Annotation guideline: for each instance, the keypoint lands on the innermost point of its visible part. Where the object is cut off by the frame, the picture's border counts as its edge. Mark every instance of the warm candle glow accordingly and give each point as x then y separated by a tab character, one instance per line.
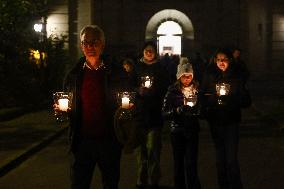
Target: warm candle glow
63	104
147	81
190	101
125	102
222	91
191	104
147	84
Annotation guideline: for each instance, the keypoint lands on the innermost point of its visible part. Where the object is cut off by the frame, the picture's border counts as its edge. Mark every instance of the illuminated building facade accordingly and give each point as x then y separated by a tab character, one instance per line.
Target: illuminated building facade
256	26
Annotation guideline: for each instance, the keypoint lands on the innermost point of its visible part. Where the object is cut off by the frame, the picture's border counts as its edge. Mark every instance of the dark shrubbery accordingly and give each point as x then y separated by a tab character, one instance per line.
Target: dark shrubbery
24	81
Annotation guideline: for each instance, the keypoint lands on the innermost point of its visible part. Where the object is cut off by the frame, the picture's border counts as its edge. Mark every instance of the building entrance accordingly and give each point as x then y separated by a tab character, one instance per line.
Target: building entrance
172	29
169	38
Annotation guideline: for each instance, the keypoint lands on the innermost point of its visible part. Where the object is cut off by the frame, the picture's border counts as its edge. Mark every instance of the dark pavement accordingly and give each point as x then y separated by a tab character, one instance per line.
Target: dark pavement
23	136
261	160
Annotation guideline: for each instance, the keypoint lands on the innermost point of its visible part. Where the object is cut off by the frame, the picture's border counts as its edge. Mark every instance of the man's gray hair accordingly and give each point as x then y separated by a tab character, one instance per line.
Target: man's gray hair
94	28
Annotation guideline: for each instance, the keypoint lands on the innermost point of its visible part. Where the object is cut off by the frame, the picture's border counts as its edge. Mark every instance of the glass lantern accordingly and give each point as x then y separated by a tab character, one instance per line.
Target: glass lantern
63	102
147	81
125	99
126	102
222	89
191	100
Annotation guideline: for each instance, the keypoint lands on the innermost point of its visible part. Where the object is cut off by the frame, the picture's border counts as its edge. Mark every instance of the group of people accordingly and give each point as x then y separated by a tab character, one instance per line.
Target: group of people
92	135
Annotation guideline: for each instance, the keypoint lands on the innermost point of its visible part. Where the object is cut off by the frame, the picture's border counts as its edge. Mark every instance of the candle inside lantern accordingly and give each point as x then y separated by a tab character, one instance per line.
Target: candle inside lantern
125	102
147	83
191	104
63	104
222	91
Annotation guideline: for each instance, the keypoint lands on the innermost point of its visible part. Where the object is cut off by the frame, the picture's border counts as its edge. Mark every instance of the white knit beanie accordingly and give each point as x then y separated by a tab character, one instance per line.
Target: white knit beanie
184	68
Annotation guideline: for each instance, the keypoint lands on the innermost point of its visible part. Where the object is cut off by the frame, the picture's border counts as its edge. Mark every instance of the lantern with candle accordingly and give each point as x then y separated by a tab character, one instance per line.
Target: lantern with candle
222	90
62	101
147	81
191	100
126	99
126	102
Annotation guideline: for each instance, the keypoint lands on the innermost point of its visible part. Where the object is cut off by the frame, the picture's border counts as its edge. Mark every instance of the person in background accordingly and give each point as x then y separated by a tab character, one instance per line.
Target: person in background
128	65
126	76
184	126
240	63
93	142
221	107
199	65
148	106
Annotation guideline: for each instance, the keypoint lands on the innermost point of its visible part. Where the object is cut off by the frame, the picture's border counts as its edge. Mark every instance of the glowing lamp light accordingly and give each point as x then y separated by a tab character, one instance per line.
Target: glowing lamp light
38	27
36	54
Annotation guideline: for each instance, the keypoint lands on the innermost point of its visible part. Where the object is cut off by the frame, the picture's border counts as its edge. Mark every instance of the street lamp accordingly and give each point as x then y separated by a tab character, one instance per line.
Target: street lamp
38	27
40	54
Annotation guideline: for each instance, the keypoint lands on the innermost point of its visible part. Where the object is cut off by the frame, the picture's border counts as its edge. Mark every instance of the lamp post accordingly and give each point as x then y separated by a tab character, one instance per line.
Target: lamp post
40	28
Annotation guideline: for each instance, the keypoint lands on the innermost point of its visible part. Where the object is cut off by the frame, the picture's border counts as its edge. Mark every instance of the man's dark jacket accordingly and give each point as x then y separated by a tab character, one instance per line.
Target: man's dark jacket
73	83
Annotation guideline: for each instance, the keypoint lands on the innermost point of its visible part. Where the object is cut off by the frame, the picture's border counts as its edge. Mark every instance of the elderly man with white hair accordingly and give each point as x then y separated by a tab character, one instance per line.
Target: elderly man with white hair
93	142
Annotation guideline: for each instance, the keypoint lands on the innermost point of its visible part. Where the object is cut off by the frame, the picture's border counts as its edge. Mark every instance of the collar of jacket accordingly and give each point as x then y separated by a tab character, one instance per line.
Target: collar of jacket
101	66
142	60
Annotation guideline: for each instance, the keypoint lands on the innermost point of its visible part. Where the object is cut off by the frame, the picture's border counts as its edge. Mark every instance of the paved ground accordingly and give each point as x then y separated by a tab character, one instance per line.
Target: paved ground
261	160
25	135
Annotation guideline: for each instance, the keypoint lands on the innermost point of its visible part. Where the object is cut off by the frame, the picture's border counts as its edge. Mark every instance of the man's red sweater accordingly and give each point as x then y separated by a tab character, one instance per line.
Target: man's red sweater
93	104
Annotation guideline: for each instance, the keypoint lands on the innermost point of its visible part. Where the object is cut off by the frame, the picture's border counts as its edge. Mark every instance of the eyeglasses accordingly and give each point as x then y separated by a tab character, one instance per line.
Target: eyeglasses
94	43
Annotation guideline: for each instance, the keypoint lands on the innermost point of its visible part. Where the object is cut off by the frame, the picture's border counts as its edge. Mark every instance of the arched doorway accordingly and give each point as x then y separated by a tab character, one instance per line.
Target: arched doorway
179	21
169	38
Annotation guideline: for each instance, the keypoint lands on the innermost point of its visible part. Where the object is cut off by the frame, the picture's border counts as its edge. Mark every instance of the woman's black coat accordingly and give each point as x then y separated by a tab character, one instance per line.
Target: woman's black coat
230	110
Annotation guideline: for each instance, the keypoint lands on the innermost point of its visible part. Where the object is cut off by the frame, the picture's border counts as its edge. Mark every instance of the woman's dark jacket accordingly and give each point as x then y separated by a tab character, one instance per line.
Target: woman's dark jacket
73	83
149	104
185	121
230	110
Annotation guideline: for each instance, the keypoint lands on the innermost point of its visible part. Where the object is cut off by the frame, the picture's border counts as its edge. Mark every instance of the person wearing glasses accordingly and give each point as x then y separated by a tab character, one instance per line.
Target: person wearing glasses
93	142
221	91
